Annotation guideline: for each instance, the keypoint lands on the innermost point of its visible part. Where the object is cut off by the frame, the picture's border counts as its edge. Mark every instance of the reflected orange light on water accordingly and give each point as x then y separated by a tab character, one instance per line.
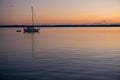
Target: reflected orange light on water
85	38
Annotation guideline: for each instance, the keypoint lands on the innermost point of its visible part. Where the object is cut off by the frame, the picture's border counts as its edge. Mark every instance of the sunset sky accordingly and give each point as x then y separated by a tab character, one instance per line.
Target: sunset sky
60	11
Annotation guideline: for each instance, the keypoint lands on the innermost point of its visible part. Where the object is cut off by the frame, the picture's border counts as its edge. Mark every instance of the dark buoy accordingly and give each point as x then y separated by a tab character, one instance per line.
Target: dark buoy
18	30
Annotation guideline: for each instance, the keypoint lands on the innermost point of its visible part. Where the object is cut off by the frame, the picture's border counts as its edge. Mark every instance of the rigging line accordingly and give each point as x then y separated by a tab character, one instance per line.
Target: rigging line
32	16
36	20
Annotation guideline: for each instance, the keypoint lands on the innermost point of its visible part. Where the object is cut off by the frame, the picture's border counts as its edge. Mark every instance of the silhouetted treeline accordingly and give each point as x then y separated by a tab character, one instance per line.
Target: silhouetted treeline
110	25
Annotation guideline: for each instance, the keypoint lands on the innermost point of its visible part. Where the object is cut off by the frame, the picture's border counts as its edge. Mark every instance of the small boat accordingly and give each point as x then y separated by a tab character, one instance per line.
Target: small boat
31	29
18	30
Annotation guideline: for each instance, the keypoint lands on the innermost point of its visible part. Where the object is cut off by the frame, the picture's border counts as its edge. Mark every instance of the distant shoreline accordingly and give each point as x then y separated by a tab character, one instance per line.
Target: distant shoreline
112	25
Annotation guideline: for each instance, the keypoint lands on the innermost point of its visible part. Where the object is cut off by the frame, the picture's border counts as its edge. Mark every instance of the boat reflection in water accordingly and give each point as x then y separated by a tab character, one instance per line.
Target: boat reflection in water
32	44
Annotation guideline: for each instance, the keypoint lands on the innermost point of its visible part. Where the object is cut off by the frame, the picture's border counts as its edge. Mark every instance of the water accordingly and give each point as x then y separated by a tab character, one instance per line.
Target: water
60	54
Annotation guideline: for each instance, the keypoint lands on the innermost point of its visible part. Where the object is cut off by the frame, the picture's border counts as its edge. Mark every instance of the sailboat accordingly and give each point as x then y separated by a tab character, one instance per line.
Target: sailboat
31	29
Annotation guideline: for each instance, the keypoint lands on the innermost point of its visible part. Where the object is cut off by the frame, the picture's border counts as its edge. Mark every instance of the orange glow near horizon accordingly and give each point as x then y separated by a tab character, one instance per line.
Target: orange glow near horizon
64	19
60	12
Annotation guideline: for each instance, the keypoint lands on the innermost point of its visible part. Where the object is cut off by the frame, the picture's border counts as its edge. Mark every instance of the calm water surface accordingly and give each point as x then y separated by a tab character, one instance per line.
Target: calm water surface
60	54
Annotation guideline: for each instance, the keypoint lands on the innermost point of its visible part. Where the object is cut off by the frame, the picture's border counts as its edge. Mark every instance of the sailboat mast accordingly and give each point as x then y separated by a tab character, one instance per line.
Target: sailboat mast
32	16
